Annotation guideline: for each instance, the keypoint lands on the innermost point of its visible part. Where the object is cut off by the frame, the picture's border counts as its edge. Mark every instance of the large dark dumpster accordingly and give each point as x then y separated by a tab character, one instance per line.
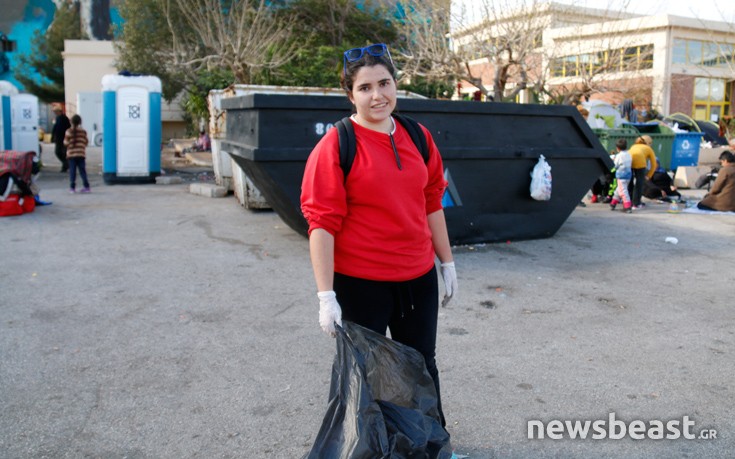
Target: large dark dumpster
489	150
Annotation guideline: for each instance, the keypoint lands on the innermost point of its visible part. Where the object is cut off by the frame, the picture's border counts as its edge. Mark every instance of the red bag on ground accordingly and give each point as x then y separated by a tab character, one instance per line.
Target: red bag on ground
17	205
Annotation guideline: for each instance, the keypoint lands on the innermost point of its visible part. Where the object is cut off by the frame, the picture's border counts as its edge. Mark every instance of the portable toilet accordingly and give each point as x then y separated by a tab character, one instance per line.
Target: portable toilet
89	107
131	119
24	122
7	90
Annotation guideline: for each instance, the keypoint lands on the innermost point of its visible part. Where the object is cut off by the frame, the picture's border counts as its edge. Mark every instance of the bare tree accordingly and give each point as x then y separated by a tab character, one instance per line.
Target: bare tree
597	58
507	37
493	44
503	47
244	36
426	52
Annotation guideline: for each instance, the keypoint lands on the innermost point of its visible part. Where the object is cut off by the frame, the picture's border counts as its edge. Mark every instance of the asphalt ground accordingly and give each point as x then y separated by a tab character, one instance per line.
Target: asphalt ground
142	321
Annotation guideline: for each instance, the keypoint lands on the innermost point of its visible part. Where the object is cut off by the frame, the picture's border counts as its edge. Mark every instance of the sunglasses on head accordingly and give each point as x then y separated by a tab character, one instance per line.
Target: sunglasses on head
355	54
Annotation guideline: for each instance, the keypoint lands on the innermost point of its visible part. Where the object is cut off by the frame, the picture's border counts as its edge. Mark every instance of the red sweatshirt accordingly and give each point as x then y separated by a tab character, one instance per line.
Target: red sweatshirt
378	218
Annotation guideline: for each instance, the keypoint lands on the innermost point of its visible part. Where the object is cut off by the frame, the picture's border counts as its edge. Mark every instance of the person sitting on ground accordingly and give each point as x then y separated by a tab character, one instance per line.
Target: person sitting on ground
707	179
203	143
661	186
722	195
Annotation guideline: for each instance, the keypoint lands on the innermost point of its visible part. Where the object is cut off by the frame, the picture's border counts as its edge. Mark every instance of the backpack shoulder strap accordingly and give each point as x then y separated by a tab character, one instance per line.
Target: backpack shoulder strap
347	144
416	133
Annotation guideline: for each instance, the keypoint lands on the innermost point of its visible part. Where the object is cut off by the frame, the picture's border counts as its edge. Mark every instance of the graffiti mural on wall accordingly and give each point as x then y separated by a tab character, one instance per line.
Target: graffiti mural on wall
22	18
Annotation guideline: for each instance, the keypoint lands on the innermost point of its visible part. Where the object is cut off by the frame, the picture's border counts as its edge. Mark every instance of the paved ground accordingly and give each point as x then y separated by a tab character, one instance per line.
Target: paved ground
142	321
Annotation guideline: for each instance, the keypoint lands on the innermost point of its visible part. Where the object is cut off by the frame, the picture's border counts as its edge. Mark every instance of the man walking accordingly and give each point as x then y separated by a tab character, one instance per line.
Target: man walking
61	124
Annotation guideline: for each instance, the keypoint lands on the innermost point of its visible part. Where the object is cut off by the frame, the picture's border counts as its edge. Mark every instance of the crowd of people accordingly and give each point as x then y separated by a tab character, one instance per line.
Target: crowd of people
638	173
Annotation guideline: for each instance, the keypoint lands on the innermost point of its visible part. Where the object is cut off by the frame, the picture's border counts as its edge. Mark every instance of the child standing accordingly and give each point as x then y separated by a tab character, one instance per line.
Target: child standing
623	175
76	141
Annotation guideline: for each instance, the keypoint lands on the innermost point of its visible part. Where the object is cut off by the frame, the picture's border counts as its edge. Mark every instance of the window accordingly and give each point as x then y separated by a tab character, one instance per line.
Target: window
711	99
694	52
571	66
717	90
726	54
679	52
611	60
630	57
708	54
701	89
646	56
584	64
557	68
598	62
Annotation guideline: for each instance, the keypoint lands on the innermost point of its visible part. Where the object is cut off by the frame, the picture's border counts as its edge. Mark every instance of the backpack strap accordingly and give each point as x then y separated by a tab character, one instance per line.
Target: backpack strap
348	143
416	133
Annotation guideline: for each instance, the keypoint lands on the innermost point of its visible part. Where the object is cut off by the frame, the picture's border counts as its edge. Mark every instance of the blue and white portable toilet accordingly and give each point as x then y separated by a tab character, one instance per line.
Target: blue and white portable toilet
24	122
7	90
131	118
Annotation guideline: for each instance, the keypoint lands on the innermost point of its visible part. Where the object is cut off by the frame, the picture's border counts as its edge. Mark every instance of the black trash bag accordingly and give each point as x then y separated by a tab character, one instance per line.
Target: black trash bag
382	402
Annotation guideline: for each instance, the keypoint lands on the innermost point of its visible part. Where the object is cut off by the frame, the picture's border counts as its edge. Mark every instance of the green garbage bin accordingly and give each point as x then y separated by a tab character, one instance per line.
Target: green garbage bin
663	140
609	137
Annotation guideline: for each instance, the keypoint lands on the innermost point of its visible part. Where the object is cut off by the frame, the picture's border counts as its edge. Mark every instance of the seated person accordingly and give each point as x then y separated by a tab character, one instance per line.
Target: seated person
722	195
203	143
661	186
707	179
603	188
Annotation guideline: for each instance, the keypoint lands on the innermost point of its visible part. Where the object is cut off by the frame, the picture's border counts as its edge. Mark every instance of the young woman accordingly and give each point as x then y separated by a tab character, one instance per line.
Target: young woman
374	236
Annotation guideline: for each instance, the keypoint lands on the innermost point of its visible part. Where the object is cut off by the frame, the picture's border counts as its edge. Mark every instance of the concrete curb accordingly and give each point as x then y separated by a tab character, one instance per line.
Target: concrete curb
208	190
168	180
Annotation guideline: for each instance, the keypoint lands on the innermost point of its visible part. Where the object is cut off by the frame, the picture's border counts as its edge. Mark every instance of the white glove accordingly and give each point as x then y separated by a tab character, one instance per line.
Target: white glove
449	274
329	312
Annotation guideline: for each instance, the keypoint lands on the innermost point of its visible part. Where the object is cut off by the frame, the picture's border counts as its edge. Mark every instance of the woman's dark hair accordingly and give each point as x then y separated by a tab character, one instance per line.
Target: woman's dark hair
367	60
76	120
727	156
621	144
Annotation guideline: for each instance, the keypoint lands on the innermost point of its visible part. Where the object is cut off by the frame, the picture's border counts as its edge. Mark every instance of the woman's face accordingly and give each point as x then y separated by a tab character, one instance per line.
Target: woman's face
374	95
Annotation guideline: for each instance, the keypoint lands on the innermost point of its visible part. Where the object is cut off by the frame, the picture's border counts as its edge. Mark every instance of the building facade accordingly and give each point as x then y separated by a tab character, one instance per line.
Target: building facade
665	63
87	61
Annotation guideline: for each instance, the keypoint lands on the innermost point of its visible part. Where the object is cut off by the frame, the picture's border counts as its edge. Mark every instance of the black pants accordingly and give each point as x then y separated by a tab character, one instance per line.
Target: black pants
635	188
60	151
410	309
75	163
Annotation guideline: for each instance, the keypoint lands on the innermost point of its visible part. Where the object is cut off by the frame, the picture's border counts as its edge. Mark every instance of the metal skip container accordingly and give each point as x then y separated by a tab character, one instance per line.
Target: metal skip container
226	173
488	150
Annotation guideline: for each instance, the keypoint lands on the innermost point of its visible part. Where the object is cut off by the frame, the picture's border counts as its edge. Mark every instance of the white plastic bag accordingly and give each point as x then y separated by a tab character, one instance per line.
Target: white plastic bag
541	180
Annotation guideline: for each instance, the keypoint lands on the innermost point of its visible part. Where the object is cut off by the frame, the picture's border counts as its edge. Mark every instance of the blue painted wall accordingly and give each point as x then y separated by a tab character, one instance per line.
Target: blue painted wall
23	18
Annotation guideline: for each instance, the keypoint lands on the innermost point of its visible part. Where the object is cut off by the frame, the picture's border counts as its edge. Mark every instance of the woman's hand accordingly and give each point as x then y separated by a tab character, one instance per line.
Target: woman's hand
329	312
449	274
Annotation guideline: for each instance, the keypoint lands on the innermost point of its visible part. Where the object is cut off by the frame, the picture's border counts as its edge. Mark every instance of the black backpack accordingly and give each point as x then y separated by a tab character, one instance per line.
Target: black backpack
348	144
